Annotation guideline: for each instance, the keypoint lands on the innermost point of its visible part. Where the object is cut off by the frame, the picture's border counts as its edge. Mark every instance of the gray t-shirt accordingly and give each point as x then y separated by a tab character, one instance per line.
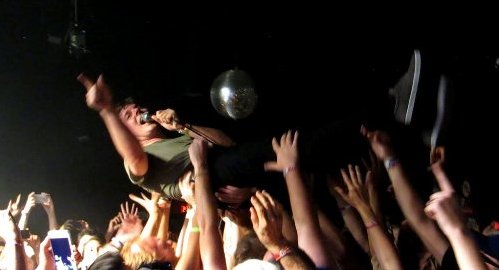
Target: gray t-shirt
168	159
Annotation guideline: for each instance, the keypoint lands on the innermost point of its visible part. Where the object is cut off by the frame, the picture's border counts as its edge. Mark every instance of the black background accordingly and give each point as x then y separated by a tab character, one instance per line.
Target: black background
311	64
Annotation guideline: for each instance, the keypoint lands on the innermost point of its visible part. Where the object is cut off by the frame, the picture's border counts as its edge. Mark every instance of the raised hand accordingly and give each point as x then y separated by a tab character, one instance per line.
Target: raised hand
151	205
357	194
14	206
34	242
112	227
266	216
380	142
98	95
46	257
30	203
198	151
48	204
127	210
131	226
286	150
443	205
168	119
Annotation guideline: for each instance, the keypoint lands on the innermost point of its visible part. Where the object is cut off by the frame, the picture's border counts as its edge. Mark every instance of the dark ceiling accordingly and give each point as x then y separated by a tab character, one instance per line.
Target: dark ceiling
310	64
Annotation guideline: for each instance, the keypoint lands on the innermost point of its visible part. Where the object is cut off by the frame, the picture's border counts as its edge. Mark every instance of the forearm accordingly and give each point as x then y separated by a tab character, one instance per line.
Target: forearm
190	259
182	238
210	240
23	220
14	253
382	247
355	226
288	228
294	258
52	218
413	209
152	224
332	235
310	237
376	208
125	142
465	249
215	135
164	224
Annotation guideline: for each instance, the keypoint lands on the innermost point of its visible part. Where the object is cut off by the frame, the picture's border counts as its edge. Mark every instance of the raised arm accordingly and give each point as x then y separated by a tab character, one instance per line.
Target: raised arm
100	99
266	216
190	258
164	223
310	237
444	208
350	217
357	196
151	205
28	206
13	251
49	207
210	239
409	202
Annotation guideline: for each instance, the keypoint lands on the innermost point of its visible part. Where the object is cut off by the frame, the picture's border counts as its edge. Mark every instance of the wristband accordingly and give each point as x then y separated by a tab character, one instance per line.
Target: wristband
195	229
288	170
282	253
371	224
390	162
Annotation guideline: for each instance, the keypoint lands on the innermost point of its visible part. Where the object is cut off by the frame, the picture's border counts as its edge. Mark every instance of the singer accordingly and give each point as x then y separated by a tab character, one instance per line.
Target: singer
160	163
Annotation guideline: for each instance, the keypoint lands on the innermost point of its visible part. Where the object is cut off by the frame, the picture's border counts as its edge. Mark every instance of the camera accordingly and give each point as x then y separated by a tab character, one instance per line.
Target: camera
41	198
25	234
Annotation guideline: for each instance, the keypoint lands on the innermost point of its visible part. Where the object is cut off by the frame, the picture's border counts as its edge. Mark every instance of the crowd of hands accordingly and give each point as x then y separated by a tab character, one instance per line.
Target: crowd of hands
305	236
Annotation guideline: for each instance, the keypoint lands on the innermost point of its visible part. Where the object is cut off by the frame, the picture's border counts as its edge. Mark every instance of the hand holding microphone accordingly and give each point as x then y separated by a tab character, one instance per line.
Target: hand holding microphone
169	120
166	118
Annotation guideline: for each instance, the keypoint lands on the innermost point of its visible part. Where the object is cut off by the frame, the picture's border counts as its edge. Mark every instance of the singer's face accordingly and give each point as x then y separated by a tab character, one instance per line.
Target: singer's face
130	116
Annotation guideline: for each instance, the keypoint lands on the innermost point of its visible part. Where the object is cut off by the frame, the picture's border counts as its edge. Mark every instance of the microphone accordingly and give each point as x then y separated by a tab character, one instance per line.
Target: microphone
145	117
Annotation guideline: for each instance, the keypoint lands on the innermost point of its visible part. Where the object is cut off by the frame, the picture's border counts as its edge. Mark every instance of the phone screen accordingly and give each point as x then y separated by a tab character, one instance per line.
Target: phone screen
40	198
61	247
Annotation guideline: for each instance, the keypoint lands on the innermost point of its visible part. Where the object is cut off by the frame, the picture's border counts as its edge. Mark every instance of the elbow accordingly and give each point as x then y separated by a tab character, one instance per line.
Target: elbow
138	165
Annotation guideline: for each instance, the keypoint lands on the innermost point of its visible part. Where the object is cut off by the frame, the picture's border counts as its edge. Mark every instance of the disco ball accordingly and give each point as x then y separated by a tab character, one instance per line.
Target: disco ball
233	94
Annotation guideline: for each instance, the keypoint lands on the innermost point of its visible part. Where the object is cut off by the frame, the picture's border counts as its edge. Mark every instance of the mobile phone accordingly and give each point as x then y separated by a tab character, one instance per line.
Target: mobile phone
61	248
40	198
25	234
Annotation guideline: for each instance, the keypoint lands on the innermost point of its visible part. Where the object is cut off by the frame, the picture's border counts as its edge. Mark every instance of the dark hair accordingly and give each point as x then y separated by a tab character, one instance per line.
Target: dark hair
120	104
74	227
